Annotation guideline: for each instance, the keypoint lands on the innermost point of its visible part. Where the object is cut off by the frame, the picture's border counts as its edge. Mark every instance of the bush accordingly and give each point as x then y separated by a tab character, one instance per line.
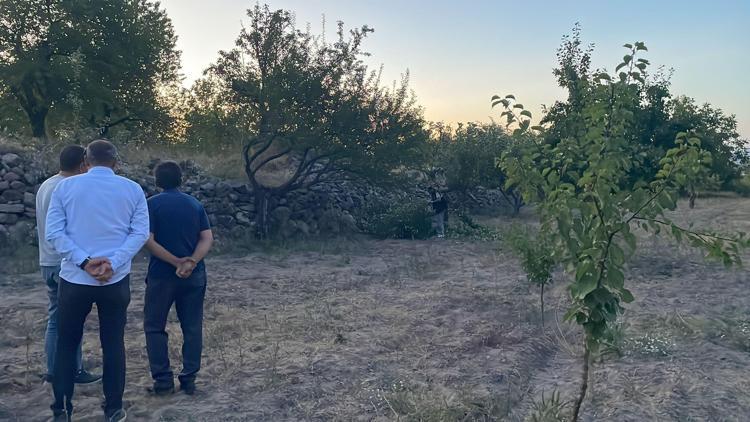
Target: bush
742	185
408	219
462	226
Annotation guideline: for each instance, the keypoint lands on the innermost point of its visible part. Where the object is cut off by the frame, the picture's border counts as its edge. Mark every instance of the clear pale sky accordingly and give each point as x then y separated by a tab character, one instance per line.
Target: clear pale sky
460	53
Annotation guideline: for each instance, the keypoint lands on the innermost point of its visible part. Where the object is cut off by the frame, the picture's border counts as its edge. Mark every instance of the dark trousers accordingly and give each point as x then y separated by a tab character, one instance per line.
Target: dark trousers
187	295
74	305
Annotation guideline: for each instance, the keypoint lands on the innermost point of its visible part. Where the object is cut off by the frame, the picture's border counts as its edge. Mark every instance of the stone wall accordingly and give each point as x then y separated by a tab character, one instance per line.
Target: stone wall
323	209
331	209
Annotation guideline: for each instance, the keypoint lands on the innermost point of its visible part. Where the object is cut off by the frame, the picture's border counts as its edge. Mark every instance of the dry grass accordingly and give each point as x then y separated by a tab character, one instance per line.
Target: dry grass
420	331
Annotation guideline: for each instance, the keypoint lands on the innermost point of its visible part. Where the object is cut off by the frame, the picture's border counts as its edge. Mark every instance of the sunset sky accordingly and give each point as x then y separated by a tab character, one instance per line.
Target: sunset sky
461	53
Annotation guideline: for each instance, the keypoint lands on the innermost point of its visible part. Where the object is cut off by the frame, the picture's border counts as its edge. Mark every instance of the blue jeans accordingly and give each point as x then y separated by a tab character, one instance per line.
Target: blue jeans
52	278
187	295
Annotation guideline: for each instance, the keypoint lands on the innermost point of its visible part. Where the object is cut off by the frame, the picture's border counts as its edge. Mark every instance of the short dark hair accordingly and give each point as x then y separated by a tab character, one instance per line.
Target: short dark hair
168	175
101	153
71	157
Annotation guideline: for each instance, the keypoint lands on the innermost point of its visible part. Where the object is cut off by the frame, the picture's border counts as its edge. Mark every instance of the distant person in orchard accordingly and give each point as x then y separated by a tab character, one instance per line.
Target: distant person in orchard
440	211
97	222
72	163
180	238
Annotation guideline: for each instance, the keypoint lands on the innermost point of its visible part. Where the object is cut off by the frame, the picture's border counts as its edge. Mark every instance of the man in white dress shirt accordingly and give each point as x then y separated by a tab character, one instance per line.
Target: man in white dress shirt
72	163
97	222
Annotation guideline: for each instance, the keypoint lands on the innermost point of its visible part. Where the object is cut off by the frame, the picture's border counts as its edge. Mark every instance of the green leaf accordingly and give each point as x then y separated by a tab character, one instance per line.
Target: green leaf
510	96
618	256
584	267
526	113
630	240
620	66
495	97
626	295
627	58
518	105
629	46
615	278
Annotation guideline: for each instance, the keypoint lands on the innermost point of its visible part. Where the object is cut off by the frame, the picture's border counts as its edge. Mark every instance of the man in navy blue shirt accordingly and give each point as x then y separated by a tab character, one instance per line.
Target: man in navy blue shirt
180	239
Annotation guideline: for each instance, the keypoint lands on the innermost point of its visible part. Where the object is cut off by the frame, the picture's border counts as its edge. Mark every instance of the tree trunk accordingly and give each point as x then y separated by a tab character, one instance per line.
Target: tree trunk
541	301
39	126
33	102
584	384
260	194
693	196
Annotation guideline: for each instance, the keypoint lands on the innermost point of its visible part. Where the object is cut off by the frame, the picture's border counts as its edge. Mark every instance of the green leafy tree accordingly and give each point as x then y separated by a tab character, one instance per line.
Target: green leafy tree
317	114
535	253
658	117
468	158
97	63
590	200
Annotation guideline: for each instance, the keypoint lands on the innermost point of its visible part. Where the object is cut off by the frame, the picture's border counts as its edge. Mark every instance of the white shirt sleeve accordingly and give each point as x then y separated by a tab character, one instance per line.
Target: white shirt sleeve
139	233
56	232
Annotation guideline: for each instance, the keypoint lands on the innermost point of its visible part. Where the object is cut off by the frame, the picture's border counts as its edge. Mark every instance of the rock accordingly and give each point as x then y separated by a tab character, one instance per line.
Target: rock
8	218
223	188
17	185
289	229
29	199
247	208
242	218
281	215
12	208
303	227
4	185
348	223
12	195
22	232
11	159
208	189
225	221
11	177
4	235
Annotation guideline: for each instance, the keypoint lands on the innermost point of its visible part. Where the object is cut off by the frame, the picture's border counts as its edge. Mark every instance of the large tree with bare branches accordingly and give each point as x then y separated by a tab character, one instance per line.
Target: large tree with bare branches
315	112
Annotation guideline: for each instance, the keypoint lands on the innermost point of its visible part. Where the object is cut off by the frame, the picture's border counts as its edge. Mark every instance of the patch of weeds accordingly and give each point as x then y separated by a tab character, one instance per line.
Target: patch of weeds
408	219
401	402
283	248
614	341
550	409
731	332
651	344
462	226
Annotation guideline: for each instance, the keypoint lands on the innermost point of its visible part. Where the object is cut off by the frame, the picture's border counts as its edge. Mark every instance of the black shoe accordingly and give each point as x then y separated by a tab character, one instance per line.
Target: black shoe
117	416
85	377
161	389
188	387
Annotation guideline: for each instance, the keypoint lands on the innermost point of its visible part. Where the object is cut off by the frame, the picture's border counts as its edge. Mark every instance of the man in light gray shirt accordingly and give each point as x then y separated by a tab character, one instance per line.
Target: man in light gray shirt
71	164
97	222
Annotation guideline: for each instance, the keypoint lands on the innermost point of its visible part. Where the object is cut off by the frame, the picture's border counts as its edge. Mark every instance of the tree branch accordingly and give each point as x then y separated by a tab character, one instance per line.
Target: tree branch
703	236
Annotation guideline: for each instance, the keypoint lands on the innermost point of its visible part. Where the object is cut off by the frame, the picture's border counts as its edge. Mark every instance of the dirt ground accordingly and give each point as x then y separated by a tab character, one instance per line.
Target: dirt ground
438	330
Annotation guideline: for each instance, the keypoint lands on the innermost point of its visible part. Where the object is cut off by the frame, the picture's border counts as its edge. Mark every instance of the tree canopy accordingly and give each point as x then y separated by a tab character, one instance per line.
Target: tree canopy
311	106
97	64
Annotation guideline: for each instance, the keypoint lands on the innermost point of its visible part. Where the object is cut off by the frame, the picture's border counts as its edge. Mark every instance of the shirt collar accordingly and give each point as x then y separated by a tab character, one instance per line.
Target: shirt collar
171	190
101	170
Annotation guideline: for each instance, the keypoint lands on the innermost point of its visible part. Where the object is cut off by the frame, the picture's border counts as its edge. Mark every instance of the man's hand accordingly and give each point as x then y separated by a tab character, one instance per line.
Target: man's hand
100	268
185	267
